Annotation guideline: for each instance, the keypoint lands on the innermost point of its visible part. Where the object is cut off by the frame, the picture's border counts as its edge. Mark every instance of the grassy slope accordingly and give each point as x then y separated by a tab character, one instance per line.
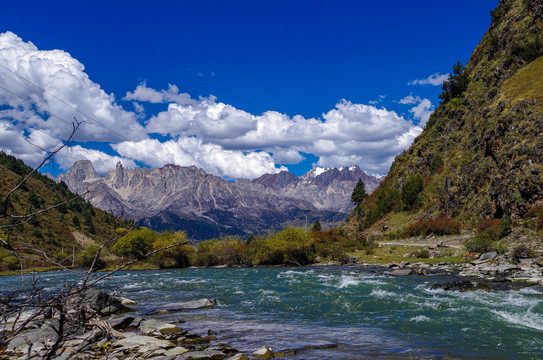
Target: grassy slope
490	139
55	230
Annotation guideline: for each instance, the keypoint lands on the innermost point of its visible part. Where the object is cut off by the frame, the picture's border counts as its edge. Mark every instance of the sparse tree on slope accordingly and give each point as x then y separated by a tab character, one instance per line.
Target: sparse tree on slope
359	192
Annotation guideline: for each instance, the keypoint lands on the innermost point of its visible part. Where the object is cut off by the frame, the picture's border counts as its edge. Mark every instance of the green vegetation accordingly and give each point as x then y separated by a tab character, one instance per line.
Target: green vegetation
176	256
50	231
359	193
479	155
439	226
410	191
136	243
456	85
488	234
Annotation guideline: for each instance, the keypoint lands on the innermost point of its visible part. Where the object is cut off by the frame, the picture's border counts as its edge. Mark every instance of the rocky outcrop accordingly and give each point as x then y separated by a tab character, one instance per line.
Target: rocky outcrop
324	188
206	206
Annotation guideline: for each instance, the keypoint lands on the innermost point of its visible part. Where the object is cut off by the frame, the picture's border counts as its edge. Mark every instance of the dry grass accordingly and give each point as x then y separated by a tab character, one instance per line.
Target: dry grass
526	84
397	253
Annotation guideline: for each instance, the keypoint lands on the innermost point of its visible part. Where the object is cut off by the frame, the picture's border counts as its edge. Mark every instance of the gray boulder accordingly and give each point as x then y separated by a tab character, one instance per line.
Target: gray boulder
98	300
202	355
184	306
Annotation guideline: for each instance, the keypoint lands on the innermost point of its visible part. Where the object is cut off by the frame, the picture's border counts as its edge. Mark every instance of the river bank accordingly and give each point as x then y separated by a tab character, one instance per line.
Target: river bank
325	312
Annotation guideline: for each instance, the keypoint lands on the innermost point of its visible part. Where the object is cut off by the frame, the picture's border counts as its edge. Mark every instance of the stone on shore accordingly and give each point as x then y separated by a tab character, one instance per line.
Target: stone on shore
156	327
138	341
98	300
207	354
263	352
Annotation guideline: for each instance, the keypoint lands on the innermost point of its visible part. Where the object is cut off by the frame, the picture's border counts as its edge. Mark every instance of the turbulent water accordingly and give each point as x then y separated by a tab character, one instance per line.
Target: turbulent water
366	313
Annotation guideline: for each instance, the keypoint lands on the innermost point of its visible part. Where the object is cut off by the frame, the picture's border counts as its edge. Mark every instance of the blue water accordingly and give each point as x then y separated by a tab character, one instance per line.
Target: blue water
365	312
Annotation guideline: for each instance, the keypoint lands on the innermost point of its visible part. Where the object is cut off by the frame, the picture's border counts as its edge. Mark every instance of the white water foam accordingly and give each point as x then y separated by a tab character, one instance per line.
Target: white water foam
347	280
380	293
420	318
526	319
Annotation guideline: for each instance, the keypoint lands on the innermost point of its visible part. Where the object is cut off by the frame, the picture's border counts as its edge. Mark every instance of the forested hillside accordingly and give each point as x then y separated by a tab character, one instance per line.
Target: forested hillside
51	231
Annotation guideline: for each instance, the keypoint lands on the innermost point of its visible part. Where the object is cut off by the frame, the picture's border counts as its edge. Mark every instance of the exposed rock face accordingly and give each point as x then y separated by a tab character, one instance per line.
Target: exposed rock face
206	206
329	188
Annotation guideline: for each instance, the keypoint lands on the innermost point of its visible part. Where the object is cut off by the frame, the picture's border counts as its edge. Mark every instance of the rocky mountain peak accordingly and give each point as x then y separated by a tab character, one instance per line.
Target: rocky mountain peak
277	181
83	170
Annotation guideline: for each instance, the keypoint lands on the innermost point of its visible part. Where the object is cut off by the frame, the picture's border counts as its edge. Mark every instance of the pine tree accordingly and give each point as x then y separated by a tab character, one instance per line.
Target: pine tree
359	192
316	226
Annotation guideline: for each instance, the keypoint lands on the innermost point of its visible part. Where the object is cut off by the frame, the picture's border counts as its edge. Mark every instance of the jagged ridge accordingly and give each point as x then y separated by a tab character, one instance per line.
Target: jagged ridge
205	206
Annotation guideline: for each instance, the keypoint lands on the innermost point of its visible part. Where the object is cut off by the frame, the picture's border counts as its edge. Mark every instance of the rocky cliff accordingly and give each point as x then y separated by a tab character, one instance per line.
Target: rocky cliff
205	206
327	188
481	153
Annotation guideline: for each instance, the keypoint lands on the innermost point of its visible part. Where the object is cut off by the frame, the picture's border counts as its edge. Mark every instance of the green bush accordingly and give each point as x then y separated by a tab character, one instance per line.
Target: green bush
522	252
456	85
136	243
291	246
179	255
86	257
11	262
480	244
421	254
206	254
411	190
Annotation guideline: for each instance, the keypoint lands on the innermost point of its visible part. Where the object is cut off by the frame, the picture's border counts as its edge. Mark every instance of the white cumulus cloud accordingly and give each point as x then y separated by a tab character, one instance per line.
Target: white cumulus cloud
43	77
144	93
101	161
210	157
436	79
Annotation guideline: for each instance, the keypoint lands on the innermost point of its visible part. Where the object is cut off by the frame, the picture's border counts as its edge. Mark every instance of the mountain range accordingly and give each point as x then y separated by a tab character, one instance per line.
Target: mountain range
207	206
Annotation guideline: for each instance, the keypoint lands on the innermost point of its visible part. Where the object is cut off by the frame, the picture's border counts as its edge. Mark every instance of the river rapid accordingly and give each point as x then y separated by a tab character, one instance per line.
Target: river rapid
365	312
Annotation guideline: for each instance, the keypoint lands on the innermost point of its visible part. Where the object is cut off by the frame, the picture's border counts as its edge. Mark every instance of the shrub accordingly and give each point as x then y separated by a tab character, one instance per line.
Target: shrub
480	244
136	243
11	262
233	251
86	257
522	252
180	255
494	229
206	254
411	190
441	225
290	246
421	254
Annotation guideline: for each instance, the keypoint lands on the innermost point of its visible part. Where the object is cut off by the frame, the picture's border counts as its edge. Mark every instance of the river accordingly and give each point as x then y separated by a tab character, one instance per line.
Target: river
365	312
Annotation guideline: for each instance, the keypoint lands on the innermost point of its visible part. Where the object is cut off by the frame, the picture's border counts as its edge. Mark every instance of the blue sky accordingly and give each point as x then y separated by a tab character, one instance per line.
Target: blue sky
238	88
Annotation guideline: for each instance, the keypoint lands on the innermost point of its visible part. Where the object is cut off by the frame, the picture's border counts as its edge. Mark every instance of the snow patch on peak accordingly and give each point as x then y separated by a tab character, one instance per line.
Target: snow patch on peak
319	170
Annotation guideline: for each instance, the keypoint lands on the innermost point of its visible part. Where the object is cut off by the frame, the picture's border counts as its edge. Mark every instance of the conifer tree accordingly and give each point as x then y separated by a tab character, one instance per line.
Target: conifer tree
359	192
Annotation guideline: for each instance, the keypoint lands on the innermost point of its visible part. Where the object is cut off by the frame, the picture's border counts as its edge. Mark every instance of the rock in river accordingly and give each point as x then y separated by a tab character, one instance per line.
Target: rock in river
184	306
461	286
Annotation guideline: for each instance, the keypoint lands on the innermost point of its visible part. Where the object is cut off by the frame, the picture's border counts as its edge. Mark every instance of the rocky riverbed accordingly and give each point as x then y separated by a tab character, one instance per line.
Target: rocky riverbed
96	325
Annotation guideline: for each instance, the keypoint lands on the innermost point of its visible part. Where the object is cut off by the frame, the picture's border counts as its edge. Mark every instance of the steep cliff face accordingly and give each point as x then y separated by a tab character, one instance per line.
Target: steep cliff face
481	153
187	198
328	188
